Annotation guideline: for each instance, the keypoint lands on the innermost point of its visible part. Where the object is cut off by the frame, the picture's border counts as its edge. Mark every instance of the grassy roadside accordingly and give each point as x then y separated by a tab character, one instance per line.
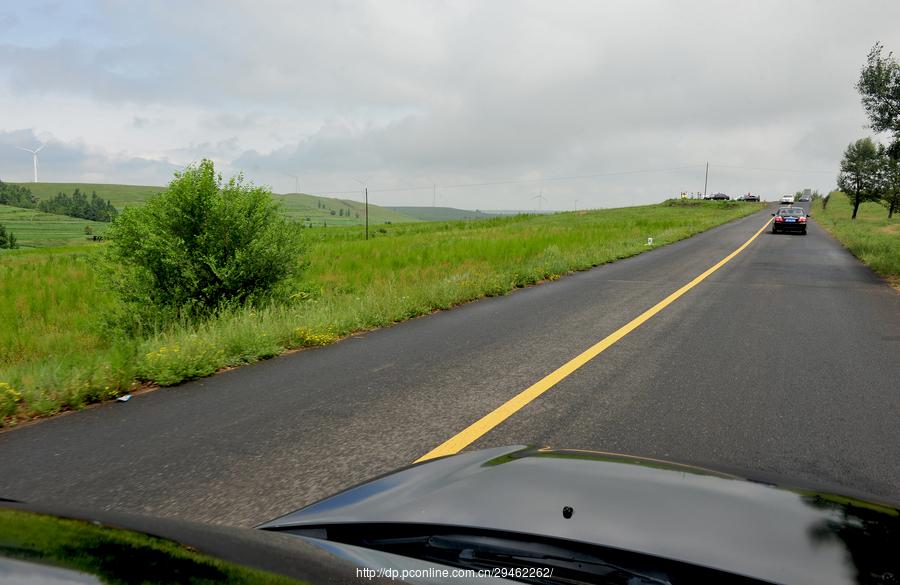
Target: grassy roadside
58	356
871	237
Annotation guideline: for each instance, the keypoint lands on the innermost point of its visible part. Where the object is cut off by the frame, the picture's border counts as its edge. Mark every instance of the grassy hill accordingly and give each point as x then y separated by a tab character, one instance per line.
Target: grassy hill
441	213
297	206
120	195
36	229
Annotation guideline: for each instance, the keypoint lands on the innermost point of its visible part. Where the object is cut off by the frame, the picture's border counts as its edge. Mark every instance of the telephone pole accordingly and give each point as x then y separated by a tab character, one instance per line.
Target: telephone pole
366	187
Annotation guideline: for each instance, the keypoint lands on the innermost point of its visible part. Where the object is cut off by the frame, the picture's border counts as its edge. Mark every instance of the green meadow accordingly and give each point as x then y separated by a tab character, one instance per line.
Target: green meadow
871	237
59	355
36	229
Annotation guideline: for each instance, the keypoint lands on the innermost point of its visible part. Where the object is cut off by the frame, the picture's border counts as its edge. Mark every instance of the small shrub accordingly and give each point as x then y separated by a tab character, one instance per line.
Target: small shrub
202	245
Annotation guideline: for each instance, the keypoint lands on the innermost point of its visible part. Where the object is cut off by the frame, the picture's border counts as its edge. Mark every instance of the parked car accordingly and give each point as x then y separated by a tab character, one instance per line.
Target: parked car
750	197
720	197
787	199
790	219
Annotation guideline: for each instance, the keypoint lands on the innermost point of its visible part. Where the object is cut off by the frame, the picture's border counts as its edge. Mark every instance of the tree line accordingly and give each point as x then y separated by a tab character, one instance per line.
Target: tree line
75	205
870	171
16	195
78	205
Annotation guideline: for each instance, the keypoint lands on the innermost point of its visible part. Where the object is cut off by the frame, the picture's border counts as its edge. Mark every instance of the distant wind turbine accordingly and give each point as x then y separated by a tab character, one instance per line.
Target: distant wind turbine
33	157
296	182
540	198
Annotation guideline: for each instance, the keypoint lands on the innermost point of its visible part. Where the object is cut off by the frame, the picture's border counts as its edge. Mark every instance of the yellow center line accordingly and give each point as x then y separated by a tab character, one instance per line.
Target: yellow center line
471	433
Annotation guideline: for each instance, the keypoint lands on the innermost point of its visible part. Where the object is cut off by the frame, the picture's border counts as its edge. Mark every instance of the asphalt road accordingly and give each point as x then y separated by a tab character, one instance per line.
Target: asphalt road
785	361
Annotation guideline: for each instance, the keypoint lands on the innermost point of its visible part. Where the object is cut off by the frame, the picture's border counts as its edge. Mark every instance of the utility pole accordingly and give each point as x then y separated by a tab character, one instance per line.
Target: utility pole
366	187
576	205
706	180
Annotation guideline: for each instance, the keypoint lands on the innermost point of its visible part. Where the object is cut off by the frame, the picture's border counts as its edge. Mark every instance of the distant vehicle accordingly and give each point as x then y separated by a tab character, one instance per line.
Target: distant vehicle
749	197
804	199
787	199
790	219
720	197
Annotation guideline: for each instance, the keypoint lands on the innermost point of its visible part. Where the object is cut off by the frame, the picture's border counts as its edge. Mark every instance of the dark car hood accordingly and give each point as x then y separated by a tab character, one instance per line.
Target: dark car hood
678	512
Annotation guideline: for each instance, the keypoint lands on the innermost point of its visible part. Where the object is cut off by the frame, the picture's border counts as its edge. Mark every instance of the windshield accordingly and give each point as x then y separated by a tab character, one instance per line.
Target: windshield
255	253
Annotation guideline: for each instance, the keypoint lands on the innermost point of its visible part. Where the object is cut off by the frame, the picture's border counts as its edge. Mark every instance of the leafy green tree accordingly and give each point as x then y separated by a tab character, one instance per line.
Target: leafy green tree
879	86
201	245
16	195
860	177
7	239
890	173
78	205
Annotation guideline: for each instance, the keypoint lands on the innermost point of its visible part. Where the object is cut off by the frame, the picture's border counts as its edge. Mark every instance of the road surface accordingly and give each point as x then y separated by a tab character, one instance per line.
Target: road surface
783	361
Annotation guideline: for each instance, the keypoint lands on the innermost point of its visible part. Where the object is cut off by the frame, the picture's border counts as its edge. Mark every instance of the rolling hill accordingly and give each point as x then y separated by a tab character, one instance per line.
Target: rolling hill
441	213
297	206
120	195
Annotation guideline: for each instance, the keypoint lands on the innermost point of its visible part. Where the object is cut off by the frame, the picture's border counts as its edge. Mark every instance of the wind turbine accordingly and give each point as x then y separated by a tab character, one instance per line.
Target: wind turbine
296	182
33	157
540	198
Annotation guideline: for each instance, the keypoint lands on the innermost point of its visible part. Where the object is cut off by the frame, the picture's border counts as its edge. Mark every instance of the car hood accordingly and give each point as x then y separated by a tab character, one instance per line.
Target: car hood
679	512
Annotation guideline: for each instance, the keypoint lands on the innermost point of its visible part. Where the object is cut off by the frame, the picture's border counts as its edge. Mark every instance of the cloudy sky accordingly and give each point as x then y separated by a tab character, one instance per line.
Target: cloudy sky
603	103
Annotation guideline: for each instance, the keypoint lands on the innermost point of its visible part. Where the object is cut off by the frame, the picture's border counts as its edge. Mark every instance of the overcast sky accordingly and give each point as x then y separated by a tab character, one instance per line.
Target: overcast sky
406	95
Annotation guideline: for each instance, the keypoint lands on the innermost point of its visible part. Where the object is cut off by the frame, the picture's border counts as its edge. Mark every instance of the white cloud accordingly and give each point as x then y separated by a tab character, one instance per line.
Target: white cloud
415	93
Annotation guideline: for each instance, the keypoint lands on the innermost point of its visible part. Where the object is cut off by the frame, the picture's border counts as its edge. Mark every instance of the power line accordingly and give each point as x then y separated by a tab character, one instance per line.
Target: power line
514	181
769	169
434	186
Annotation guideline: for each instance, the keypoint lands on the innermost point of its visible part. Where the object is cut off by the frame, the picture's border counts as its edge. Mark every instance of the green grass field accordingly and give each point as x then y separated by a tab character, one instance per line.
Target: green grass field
871	237
36	229
58	355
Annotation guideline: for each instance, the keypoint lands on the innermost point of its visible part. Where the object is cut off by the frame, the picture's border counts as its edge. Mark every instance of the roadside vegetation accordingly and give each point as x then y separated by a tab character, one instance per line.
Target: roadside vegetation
872	236
861	213
75	339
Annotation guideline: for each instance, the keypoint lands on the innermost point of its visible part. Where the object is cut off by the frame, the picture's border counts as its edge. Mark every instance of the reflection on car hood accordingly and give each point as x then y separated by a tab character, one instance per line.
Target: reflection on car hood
679	512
